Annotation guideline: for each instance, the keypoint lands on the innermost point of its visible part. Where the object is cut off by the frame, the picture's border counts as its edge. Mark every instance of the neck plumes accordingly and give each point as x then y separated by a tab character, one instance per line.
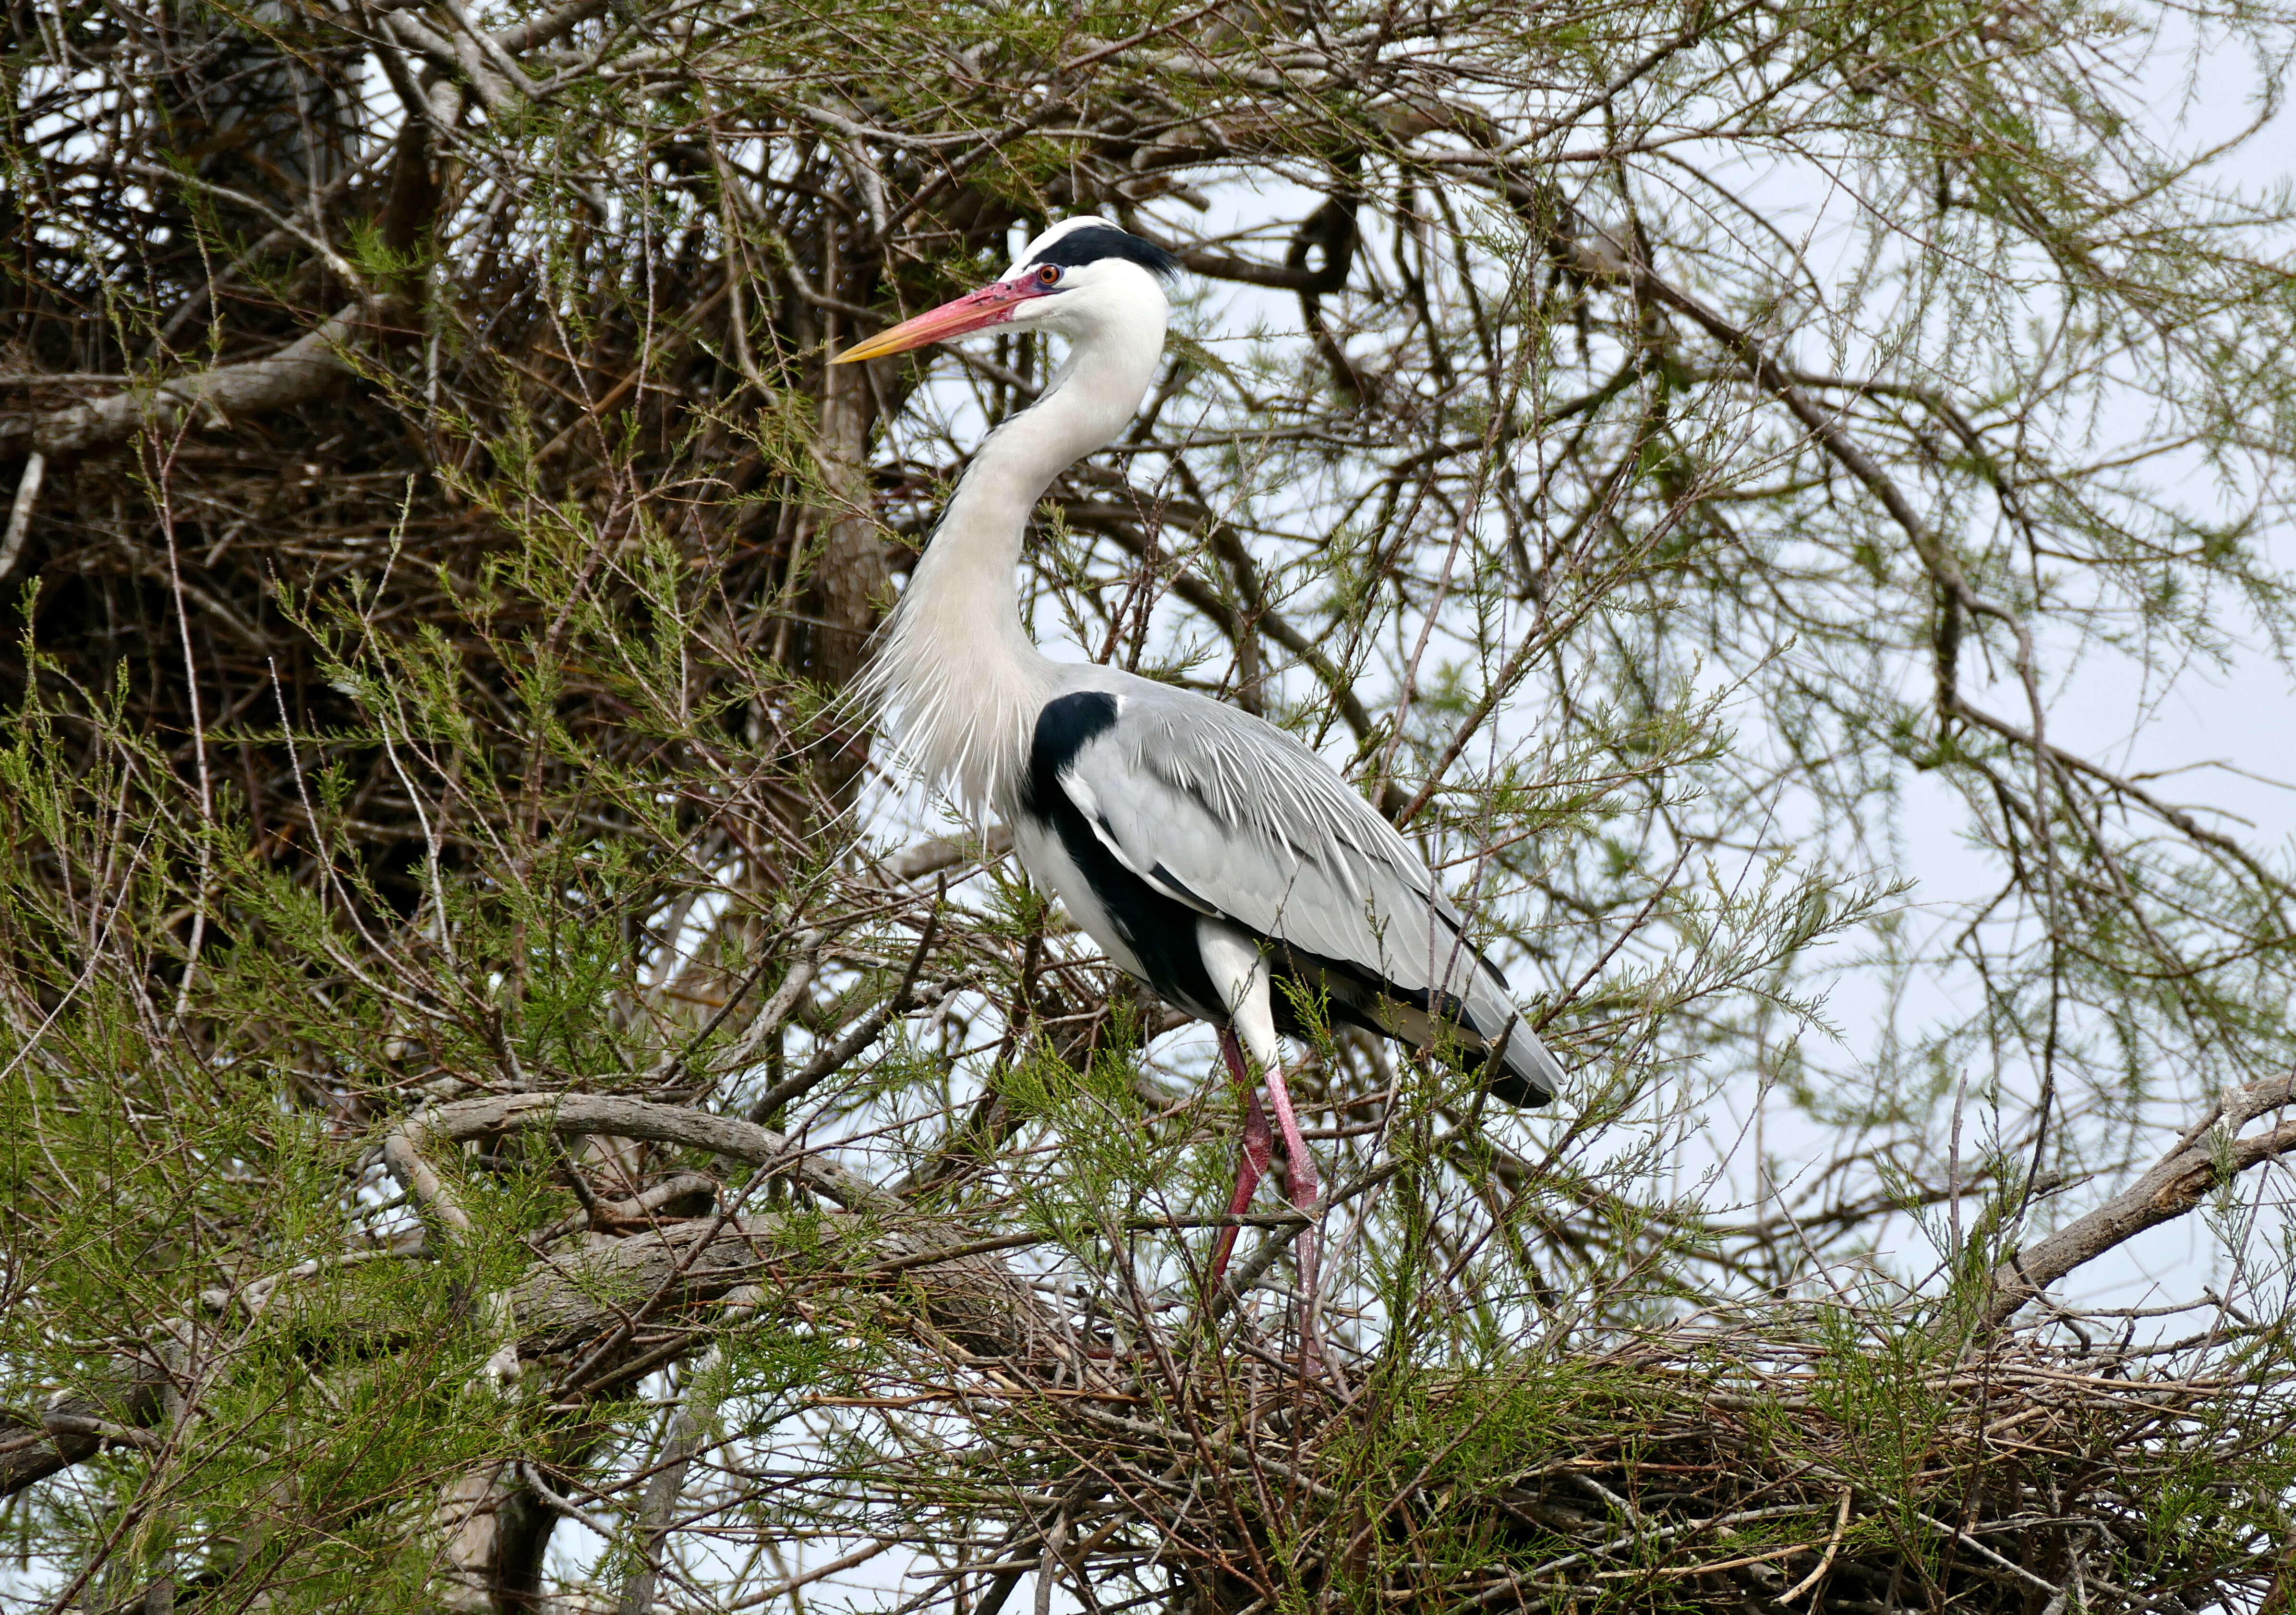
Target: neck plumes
956	673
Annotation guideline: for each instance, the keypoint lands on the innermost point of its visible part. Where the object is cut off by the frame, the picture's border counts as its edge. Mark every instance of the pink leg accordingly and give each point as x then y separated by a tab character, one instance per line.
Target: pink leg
1258	1150
1305	1191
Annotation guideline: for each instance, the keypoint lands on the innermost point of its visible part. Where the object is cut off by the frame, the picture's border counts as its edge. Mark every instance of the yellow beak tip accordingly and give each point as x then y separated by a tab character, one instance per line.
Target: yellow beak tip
875	347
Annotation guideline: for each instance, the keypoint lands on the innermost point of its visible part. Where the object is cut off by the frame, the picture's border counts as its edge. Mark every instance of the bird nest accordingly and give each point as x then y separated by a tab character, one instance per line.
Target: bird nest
1855	1471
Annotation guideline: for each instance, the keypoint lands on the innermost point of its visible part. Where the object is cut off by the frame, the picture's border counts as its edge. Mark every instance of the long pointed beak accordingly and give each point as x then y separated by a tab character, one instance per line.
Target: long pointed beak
972	312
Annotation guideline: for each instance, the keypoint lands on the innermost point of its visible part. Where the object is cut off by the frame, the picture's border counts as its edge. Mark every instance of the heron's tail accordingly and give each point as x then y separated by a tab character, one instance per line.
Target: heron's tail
1525	1074
1521	1073
1463	1034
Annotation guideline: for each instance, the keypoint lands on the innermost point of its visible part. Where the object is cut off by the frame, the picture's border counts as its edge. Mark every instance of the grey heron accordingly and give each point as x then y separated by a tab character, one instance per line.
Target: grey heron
1211	855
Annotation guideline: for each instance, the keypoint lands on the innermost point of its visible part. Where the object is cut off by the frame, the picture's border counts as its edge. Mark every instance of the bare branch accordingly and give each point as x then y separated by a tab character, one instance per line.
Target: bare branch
2205	1159
295	375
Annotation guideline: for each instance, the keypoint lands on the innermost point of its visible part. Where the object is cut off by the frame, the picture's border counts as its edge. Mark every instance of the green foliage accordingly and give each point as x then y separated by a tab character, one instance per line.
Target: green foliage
1678	459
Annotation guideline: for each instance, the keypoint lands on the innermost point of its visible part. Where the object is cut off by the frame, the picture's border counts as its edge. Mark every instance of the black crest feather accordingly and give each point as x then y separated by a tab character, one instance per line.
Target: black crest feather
1094	242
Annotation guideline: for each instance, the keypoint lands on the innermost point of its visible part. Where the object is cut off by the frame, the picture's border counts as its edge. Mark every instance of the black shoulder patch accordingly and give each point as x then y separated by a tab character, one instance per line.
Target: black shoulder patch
1094	242
1063	728
1166	878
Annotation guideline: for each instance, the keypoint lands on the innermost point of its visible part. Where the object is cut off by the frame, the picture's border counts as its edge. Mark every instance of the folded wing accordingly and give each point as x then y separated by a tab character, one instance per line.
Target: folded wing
1232	817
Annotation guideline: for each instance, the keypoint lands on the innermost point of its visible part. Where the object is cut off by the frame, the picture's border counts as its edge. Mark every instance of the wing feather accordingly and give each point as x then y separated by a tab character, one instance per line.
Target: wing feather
1235	817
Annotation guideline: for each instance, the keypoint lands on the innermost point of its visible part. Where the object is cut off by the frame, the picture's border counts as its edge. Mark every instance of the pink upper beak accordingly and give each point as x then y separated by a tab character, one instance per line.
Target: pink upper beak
972	312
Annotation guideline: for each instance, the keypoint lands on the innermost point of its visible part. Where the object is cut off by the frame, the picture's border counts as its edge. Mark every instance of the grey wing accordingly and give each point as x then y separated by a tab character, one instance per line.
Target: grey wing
1234	817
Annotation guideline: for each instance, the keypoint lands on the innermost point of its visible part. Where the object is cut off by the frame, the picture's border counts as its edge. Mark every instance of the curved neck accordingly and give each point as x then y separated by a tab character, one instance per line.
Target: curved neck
962	679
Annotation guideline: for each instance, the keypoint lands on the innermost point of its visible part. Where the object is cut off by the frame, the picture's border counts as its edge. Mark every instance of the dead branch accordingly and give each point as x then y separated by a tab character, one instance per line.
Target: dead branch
297	373
2210	1156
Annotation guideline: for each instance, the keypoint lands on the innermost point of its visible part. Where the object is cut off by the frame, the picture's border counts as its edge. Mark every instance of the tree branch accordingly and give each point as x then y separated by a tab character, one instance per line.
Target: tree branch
580	1114
2211	1154
296	374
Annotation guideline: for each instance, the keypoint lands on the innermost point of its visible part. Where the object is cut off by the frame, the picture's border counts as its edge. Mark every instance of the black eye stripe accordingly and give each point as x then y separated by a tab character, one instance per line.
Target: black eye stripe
1094	242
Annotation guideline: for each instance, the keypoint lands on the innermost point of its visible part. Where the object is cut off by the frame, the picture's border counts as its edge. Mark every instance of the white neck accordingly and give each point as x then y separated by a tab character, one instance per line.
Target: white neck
955	672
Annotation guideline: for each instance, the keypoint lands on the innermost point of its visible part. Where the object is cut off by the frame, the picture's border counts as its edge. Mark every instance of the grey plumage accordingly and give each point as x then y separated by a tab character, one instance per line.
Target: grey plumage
1240	823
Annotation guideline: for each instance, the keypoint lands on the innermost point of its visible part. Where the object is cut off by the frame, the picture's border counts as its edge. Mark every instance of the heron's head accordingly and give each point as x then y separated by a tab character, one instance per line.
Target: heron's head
1083	277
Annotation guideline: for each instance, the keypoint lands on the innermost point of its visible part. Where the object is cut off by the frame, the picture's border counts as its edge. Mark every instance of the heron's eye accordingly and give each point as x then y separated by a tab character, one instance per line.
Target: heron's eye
1050	274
